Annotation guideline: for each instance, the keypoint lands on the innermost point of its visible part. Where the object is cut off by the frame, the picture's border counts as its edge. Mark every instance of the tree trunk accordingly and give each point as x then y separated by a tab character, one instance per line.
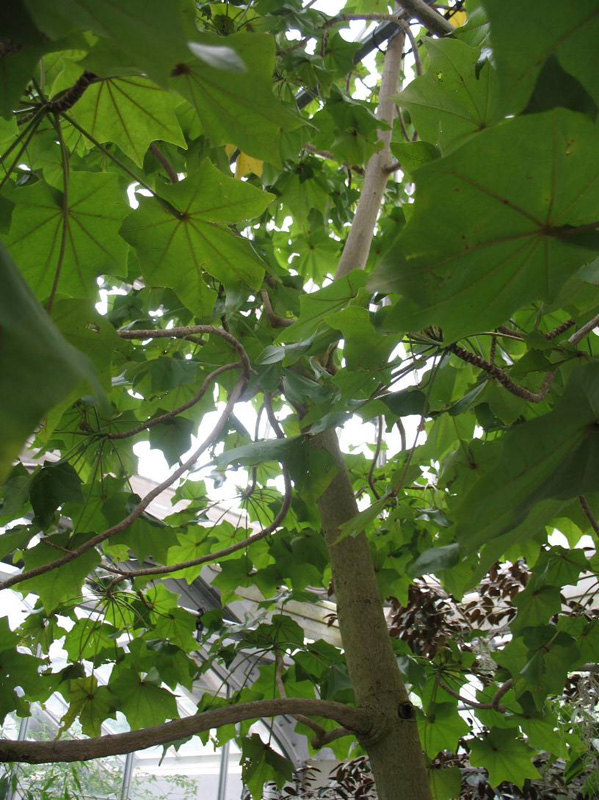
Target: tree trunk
394	748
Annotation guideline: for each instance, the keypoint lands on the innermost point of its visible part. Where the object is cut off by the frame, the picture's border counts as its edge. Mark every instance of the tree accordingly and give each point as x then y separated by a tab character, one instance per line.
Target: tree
428	253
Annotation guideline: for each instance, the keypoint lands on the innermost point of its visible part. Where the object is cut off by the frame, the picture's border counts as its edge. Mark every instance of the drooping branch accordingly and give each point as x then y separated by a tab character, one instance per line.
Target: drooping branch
211	439
219	554
493	705
67	99
151	423
355	720
588	513
168	167
502	377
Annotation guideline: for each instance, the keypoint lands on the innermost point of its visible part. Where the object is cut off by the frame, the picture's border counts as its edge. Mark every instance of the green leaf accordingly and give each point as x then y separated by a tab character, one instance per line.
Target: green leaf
239	109
441	729
176	250
363	520
148	33
87	638
52	486
445	783
504	220
552	457
411	156
32	353
16	670
453	101
62	584
141	700
89	332
96	208
260	764
173	437
316	307
436	560
504	756
91	703
257	452
131	112
405	402
523	37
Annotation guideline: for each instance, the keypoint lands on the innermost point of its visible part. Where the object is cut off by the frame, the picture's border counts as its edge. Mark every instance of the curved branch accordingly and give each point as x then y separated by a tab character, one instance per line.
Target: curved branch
67	99
227	551
142	505
506	381
427	16
588	513
151	423
185	333
354	719
275	320
492	705
168	167
502	377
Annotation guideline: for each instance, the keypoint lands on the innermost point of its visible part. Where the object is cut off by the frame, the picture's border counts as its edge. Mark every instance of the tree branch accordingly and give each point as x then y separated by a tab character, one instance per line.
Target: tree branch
427	16
502	377
186	332
65	100
493	704
142	505
357	246
355	720
226	551
275	320
151	423
588	513
168	167
579	335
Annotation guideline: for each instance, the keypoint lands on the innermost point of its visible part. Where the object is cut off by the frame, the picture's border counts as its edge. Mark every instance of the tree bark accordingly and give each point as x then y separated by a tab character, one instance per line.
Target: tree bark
393	748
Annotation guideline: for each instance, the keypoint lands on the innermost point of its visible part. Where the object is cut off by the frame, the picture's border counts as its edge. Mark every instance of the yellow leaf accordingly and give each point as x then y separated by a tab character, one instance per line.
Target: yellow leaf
246	164
230	149
458	19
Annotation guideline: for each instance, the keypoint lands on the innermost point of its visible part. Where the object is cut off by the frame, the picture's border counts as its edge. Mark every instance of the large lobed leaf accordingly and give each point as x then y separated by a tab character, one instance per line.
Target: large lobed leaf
176	249
37	366
504	220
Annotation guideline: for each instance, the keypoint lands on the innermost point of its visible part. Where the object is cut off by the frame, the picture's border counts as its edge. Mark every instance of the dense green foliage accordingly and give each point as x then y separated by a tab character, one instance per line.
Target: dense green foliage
469	318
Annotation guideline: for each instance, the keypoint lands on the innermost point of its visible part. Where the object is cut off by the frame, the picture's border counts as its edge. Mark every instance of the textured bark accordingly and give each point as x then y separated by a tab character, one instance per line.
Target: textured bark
85	749
393	748
357	246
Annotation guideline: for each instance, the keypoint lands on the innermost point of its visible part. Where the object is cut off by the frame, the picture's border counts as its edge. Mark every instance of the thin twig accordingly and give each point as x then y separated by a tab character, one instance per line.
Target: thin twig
168	167
275	320
588	513
151	423
211	439
314	726
493	704
373	464
226	551
502	377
